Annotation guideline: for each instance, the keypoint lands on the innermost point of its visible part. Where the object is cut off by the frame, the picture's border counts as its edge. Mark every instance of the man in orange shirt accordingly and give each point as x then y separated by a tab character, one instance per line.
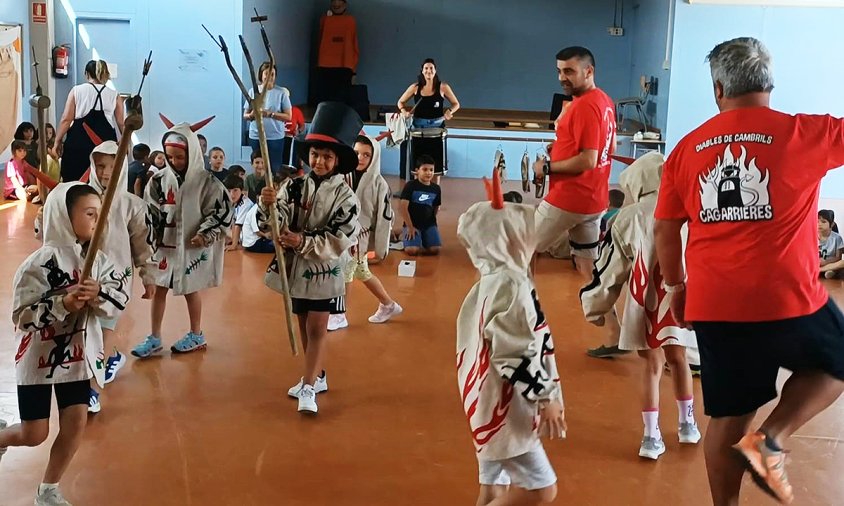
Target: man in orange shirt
580	163
746	183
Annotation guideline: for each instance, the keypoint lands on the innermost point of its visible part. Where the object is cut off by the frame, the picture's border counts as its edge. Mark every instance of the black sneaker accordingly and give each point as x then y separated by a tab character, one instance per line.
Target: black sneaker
606	352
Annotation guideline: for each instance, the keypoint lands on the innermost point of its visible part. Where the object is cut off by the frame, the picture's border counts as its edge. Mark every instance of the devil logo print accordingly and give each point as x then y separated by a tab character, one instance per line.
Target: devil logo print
735	189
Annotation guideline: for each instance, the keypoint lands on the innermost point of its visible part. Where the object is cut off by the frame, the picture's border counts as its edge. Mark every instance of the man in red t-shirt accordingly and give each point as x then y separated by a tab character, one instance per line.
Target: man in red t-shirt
580	163
746	183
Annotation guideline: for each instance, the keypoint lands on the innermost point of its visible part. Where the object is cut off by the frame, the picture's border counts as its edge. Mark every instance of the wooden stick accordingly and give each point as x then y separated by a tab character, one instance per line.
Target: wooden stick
134	121
256	102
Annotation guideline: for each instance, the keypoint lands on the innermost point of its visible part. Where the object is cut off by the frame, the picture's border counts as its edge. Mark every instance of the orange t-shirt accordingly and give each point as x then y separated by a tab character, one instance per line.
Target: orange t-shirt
338	44
589	123
747	182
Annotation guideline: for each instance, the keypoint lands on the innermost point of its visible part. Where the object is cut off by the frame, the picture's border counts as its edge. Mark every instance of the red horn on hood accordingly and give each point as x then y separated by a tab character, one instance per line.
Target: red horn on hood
96	139
623	159
493	190
165	120
40	176
196	126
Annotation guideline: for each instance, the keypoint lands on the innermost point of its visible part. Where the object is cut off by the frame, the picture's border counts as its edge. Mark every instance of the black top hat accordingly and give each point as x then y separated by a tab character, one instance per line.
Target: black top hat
334	124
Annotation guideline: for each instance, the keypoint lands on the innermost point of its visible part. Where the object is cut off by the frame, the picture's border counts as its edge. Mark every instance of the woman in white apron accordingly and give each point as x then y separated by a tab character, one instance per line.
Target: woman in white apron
92	105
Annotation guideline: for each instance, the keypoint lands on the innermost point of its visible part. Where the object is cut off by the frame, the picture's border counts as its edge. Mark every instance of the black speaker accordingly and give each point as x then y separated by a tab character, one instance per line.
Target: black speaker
557	106
359	101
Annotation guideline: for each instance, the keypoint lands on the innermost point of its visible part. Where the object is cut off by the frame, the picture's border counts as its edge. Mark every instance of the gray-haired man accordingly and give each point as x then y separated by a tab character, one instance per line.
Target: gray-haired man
746	182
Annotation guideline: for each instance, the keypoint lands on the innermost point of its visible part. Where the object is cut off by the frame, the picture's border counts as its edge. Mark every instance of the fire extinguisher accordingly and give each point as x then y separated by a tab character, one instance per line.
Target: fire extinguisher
61	61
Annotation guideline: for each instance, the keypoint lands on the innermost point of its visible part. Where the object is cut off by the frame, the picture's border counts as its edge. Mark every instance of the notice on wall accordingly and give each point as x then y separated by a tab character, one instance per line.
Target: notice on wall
193	60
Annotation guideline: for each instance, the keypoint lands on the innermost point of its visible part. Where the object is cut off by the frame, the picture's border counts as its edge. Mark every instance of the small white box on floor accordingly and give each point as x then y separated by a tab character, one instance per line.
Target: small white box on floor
407	268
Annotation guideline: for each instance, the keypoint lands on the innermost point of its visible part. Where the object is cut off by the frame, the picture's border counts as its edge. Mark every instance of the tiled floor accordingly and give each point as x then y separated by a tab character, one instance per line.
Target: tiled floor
216	427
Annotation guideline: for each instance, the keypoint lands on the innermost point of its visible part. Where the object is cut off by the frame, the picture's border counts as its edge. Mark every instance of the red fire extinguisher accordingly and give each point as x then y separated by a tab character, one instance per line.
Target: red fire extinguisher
61	61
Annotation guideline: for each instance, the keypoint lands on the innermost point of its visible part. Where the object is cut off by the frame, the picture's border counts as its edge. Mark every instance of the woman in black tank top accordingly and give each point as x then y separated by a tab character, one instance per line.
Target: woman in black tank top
429	95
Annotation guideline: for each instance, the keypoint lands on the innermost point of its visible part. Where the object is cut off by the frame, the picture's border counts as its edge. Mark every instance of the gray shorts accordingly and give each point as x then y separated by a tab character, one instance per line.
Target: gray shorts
552	225
530	471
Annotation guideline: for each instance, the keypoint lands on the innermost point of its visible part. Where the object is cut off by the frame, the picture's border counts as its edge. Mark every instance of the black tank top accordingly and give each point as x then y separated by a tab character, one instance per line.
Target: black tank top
429	107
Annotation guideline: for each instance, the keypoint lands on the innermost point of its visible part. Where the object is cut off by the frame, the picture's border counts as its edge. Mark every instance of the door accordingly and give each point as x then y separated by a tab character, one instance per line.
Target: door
110	40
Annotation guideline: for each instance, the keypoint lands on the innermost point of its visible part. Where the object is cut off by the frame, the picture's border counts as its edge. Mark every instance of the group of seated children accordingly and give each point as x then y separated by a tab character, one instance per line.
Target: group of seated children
830	245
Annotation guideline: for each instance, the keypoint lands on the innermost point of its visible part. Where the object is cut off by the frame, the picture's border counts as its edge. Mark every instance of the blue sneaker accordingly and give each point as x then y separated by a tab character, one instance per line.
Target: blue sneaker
191	342
151	346
94	402
114	364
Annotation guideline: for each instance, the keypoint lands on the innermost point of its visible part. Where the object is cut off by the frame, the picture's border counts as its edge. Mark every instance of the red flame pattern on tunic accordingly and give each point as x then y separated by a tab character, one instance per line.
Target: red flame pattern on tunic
657	311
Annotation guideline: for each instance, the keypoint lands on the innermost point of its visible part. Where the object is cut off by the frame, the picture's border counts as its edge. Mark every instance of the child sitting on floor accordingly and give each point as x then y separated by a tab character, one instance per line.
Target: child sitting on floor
830	245
420	202
242	205
16	175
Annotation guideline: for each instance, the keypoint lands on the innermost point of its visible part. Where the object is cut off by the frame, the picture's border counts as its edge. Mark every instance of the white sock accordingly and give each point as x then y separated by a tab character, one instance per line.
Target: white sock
686	407
46	487
651	419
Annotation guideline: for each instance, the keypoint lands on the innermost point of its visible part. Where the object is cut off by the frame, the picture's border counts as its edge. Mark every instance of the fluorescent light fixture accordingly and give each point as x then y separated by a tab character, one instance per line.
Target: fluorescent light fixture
83	34
774	3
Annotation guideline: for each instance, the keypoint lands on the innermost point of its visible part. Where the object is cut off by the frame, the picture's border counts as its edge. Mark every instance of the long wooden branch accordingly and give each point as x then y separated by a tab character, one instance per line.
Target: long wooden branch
256	103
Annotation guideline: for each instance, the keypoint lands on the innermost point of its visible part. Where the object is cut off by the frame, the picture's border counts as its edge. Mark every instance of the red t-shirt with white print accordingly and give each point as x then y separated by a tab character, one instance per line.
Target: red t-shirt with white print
747	182
589	123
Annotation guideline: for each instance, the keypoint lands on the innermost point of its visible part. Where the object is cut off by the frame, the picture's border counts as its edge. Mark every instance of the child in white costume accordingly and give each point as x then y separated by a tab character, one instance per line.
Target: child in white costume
318	219
506	370
192	213
60	344
375	218
628	254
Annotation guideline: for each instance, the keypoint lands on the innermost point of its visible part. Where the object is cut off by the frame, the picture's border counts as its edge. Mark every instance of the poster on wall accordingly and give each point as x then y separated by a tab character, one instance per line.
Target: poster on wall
11	86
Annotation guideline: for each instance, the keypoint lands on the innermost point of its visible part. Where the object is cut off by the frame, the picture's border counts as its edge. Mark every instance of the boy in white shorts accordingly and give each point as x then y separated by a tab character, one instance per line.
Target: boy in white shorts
506	372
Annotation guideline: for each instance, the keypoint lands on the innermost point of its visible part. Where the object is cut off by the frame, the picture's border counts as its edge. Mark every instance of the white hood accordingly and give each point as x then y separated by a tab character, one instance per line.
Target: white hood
643	175
196	163
498	238
374	169
109	148
57	229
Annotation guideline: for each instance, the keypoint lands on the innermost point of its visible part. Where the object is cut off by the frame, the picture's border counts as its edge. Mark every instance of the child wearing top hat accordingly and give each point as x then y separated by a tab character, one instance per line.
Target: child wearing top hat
318	217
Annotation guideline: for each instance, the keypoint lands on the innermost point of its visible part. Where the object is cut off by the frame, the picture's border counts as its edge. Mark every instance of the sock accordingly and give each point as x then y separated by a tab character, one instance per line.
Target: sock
651	419
686	407
322	374
46	487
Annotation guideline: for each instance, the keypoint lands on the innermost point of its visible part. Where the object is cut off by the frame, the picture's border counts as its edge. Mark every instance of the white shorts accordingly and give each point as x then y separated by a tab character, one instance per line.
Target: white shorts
584	230
530	471
357	269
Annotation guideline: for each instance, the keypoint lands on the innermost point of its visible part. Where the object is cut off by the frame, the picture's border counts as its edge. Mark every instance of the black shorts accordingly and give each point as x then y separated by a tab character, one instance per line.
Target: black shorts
336	305
34	400
740	360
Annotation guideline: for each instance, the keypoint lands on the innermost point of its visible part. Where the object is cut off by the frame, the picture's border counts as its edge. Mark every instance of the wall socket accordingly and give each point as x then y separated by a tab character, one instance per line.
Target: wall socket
616	31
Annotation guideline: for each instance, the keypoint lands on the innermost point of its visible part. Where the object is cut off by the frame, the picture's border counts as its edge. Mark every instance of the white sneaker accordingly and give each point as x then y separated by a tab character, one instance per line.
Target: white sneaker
320	386
51	497
397	246
307	400
337	322
2	448
651	448
384	313
689	433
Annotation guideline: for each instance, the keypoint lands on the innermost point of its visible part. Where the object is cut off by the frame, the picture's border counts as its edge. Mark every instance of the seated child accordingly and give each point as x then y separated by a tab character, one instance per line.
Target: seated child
255	182
138	167
420	202
218	160
242	205
16	175
238	171
616	202
506	370
830	245
253	238
60	345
